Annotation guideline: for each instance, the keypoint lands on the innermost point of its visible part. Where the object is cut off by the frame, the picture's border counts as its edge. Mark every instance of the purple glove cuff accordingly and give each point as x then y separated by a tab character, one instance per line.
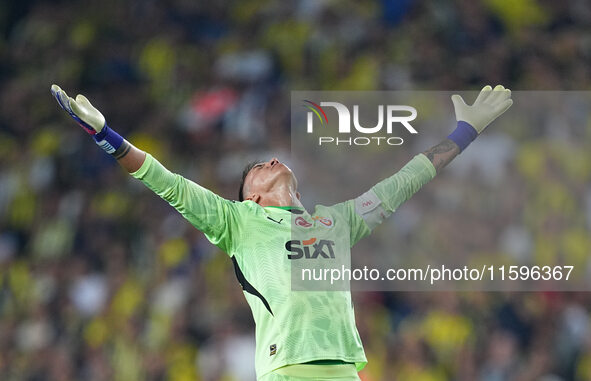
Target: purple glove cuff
108	140
463	135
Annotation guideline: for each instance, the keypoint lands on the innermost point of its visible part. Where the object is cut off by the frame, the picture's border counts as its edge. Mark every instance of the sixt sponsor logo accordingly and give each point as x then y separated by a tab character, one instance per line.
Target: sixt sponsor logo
309	248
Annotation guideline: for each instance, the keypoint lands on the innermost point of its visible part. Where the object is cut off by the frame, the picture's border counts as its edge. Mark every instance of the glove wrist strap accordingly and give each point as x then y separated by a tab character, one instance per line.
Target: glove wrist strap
463	135
109	140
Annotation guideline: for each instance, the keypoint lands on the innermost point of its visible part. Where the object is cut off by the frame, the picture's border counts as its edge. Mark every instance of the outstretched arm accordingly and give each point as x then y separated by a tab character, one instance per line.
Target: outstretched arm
385	197
205	210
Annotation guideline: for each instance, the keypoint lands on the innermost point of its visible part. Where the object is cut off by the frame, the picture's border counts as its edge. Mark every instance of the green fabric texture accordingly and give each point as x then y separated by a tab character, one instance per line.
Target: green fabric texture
313	372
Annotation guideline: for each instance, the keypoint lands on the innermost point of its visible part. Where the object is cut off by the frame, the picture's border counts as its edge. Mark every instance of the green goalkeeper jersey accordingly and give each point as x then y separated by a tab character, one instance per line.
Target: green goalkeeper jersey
292	327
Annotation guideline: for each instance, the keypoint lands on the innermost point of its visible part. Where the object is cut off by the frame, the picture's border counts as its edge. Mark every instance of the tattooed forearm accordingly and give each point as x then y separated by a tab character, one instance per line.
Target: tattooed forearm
441	154
130	157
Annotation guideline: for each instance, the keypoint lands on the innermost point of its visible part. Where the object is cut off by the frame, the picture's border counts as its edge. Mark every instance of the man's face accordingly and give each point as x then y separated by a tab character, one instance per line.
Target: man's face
267	177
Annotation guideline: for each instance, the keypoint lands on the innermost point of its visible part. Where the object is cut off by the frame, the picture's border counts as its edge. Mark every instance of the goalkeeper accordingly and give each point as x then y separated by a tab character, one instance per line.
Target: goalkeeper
300	335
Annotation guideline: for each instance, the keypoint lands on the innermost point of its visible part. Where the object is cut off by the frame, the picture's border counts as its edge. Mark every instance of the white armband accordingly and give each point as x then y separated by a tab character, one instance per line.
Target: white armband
370	208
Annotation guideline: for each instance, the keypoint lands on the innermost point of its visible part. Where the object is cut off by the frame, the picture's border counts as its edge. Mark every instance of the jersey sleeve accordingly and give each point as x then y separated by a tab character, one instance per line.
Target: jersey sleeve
357	226
205	210
367	211
398	188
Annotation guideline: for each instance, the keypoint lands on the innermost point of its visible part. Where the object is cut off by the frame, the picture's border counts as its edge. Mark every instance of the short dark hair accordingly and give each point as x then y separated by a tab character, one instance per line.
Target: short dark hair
247	169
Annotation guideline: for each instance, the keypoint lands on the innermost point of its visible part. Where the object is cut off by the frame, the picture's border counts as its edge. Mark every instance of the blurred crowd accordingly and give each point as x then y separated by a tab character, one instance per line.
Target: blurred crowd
101	280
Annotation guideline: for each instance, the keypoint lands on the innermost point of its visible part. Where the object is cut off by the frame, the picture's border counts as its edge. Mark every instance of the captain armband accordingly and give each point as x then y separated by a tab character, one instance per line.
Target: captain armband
370	208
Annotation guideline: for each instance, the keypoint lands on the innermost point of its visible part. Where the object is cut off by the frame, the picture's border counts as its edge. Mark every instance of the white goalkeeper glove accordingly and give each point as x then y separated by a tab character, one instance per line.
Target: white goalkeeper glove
93	122
472	120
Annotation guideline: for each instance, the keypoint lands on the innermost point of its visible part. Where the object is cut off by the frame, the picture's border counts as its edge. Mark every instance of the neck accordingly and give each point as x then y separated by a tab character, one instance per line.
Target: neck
284	196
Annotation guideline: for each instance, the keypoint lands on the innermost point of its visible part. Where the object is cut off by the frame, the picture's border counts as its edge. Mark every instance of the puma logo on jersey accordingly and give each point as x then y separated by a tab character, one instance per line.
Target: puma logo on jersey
309	249
279	222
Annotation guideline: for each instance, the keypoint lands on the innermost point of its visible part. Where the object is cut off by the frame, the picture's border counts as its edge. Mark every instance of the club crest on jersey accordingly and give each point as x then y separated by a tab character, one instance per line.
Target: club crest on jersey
310	248
323	220
300	221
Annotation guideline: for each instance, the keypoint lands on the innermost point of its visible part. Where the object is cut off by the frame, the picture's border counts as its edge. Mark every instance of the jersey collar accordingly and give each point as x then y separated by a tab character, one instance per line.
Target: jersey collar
292	209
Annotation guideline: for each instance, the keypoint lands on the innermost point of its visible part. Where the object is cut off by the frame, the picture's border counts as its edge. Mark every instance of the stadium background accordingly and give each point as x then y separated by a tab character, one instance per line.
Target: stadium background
101	280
